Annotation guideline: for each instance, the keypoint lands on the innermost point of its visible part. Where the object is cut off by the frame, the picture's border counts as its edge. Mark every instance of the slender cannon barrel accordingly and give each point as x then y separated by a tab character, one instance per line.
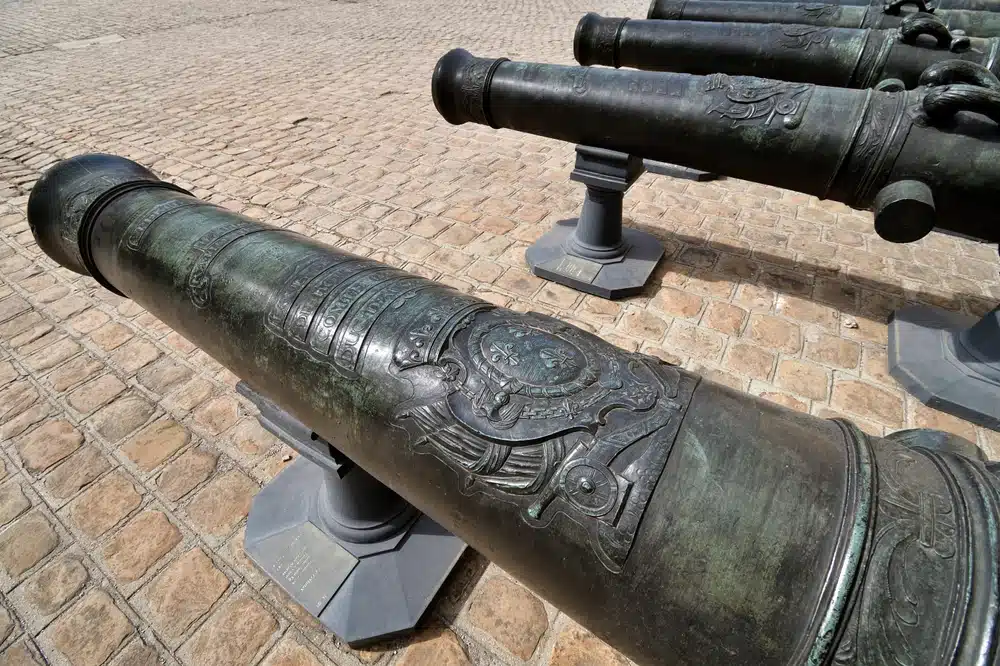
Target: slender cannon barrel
840	57
933	5
906	155
682	521
971	23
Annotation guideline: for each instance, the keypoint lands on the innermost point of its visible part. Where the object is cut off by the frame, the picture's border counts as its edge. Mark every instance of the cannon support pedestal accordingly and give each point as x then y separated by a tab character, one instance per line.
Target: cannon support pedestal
350	551
593	253
948	361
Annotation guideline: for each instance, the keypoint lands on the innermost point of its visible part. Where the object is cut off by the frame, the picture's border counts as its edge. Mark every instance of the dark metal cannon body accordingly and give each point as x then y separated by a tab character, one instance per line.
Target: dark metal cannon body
840	57
906	155
971	23
681	521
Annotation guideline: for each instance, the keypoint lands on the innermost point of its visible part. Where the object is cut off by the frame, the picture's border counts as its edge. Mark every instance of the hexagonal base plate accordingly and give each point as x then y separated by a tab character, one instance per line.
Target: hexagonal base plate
548	259
924	359
360	599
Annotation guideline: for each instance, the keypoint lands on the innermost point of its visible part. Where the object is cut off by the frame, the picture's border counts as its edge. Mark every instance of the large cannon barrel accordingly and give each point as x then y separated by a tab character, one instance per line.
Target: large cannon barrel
680	520
971	23
840	57
906	155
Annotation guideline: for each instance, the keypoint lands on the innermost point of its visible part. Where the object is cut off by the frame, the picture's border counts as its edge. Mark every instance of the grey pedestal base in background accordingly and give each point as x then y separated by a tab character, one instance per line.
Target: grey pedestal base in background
549	259
593	253
948	361
674	171
342	545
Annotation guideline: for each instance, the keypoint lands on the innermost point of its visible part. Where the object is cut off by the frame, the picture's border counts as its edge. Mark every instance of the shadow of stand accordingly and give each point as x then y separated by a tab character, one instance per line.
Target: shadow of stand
948	360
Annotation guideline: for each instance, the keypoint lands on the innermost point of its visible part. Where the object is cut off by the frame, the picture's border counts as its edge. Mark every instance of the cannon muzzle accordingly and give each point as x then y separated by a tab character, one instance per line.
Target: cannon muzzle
842	57
971	23
681	521
904	155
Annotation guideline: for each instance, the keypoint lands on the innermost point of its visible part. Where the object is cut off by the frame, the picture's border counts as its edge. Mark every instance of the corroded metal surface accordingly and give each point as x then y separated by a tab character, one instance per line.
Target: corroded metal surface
972	23
841	57
905	155
680	520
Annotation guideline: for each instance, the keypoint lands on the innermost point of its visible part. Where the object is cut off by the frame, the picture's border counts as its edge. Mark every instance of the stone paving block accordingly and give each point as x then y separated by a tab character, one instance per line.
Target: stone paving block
190	395
75	473
510	614
103	505
186	472
7	625
783	398
8	373
122	416
111	336
137	653
868	401
436	646
73	372
249	442
88	321
51	355
95	394
217	415
155	443
41	597
47	445
89	632
831	350
15	399
19	654
235	556
26	542
163	376
576	646
139	545
26	419
135	355
293	651
233	636
775	333
802	378
222	503
36	342
181	594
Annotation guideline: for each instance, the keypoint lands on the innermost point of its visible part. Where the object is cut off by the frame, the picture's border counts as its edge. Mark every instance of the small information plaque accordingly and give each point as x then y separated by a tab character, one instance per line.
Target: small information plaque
576	268
307	564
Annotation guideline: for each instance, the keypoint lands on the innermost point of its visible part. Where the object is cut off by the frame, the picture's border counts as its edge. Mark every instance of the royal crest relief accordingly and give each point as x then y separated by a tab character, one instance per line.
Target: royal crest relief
533	413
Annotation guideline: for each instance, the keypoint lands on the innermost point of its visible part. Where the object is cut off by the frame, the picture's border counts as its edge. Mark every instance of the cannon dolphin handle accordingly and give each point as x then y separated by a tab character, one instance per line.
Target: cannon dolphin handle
833	143
840	57
681	521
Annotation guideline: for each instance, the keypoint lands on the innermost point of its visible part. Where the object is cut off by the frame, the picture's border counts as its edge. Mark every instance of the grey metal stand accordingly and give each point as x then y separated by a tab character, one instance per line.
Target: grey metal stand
675	171
345	547
948	361
593	253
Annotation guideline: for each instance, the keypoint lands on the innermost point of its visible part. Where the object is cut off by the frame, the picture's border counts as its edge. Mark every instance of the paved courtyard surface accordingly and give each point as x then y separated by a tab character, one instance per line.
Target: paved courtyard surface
127	459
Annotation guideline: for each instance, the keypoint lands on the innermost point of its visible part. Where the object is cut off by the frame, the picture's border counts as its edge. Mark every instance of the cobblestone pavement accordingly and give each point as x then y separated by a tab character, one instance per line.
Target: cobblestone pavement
128	460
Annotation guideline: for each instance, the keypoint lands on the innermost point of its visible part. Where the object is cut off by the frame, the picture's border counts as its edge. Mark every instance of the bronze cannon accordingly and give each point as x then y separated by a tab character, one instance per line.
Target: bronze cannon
971	23
681	521
839	57
906	155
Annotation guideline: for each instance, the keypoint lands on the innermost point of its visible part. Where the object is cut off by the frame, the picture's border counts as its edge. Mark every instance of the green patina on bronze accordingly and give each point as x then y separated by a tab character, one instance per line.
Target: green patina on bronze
679	520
